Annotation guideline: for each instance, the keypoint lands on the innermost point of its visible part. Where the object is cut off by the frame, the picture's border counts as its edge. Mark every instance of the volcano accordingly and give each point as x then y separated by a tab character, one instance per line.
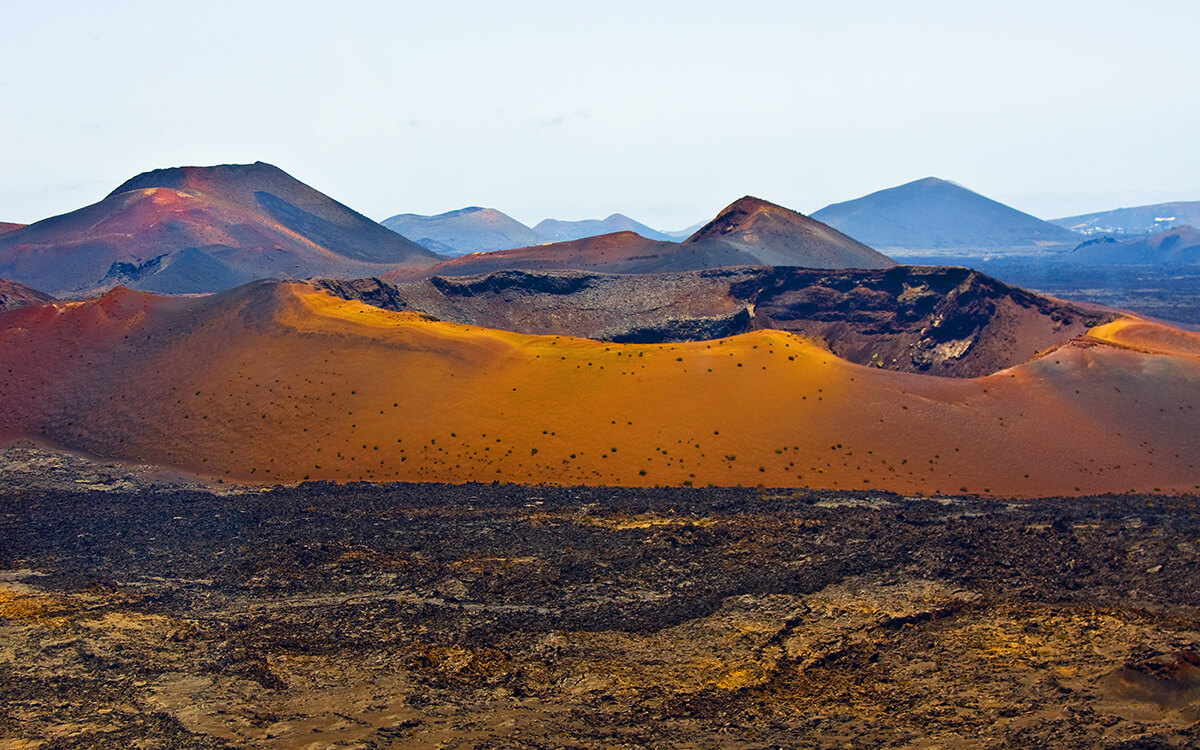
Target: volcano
280	382
778	236
203	229
937	217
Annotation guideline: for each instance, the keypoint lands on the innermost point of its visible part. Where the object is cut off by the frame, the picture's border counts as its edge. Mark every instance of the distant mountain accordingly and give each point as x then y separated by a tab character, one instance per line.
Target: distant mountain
14	295
203	229
621	252
1137	220
1178	246
937	217
467	230
749	232
6	226
552	230
683	234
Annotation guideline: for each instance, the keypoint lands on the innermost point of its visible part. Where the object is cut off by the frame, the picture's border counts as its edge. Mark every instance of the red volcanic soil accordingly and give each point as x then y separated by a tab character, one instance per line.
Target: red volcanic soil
6	226
200	229
276	382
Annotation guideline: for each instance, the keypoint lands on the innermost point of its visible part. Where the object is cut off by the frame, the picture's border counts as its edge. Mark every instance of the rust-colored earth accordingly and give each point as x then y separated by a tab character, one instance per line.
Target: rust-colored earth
202	229
278	382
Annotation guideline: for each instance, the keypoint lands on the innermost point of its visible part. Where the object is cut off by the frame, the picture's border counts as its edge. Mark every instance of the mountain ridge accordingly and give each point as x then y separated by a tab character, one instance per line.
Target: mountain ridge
1148	219
557	230
465	230
748	232
1176	246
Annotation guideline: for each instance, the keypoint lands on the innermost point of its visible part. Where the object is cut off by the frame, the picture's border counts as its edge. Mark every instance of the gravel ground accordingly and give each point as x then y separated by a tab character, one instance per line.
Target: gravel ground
156	613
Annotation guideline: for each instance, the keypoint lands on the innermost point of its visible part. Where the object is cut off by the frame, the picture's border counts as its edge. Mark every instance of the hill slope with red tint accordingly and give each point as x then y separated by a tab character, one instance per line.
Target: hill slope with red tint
621	252
778	236
203	229
279	382
749	232
14	295
7	226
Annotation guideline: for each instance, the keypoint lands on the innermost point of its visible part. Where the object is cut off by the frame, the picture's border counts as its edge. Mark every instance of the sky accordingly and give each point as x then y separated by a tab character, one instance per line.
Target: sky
665	111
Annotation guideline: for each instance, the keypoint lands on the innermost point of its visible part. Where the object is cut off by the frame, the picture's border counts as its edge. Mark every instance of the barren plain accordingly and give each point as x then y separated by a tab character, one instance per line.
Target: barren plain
152	612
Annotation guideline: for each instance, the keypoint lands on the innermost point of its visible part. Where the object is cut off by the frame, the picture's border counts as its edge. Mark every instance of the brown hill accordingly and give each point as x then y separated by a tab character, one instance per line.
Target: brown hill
942	321
14	295
278	382
750	232
620	252
778	236
7	226
201	229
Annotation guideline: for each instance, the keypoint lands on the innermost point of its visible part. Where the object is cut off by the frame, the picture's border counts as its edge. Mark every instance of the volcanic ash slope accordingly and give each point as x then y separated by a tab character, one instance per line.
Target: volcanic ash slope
276	382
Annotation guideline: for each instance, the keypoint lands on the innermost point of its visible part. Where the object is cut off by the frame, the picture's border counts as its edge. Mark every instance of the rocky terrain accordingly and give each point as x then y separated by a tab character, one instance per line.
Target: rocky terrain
1159	291
14	295
936	320
280	382
154	614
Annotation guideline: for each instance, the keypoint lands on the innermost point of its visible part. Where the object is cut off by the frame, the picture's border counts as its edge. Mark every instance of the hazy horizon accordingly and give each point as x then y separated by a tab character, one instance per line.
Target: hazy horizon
665	113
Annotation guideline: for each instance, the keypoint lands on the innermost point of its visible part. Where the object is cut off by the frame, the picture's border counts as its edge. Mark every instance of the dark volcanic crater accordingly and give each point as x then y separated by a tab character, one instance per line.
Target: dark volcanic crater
945	321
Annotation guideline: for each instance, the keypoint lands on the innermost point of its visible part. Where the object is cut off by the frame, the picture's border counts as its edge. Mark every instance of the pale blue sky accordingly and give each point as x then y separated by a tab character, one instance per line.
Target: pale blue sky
665	111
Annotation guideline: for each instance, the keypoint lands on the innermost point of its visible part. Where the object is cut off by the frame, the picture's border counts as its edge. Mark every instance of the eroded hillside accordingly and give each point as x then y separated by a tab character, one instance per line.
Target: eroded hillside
282	382
935	320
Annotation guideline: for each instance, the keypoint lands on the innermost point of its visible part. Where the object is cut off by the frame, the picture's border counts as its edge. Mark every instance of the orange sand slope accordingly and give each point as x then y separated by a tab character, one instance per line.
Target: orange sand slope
277	382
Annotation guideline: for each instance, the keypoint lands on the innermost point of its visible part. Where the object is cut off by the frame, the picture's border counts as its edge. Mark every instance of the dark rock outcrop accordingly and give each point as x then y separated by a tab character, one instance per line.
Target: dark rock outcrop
944	321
